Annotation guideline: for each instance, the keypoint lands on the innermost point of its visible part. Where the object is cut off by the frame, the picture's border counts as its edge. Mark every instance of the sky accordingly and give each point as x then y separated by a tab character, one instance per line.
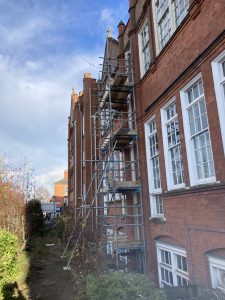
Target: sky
45	48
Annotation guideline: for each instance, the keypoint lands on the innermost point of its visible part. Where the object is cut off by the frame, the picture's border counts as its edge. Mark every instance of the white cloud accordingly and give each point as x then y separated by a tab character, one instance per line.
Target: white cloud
35	107
20	36
107	15
47	179
39	65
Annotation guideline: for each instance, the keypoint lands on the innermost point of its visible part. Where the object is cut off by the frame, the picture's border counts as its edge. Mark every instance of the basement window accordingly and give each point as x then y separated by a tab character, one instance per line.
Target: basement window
217	272
172	265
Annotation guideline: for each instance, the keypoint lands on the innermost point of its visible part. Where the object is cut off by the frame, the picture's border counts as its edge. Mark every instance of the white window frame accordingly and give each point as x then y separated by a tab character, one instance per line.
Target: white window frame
141	49
173	24
220	97
215	264
169	179
152	191
173	268
188	141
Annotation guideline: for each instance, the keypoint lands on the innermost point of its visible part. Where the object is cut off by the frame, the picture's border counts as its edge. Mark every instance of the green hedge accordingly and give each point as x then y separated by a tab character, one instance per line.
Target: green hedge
122	286
34	218
9	247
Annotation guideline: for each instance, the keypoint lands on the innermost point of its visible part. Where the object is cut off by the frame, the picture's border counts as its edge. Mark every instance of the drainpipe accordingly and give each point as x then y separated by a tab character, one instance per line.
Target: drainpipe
75	166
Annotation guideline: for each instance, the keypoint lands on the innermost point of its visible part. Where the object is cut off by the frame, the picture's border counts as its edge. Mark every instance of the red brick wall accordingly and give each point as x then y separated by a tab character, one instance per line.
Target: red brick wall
194	218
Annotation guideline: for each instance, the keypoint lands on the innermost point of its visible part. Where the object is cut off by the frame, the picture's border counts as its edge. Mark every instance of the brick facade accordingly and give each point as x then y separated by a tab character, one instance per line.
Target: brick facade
80	141
194	215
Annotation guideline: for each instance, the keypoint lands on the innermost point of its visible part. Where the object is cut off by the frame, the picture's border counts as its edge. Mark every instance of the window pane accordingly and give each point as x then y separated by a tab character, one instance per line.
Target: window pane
181	263
145	50
163	20
166	257
153	145
159	204
190	96
181	8
171	278
173	138
223	86
164	29
181	281
162	6
195	91
162	274
203	155
201	88
202	107
223	68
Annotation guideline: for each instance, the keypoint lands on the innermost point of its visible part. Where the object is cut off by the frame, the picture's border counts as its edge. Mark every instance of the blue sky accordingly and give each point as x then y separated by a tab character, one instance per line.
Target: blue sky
44	49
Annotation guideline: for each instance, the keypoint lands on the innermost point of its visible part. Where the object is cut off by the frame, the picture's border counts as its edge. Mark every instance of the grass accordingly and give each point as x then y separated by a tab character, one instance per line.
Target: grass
24	266
18	288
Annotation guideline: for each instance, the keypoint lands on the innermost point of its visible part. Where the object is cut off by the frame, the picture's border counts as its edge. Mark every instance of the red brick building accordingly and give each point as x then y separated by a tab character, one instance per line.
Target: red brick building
105	176
81	142
61	191
177	51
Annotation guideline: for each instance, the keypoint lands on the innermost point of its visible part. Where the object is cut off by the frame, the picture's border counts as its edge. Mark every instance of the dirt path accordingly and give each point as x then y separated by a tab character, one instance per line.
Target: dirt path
48	280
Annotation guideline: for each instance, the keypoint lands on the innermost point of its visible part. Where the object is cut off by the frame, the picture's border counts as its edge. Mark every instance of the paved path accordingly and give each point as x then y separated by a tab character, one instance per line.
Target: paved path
48	280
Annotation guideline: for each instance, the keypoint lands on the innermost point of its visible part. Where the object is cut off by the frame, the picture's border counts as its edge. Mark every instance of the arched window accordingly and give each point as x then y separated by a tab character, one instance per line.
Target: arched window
217	268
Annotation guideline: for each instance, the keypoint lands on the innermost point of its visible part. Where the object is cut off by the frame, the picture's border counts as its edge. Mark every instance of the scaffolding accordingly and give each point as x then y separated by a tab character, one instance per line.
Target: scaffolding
115	211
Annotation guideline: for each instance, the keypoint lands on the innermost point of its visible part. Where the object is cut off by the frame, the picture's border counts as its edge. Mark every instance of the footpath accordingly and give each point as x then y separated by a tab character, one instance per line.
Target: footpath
48	280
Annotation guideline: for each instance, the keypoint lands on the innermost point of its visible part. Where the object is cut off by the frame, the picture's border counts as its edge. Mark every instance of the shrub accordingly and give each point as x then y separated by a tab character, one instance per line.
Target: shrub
64	224
123	286
34	218
9	248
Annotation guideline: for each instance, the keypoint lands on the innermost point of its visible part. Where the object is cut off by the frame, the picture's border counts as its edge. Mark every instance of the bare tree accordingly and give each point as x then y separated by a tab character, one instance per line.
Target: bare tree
42	194
16	188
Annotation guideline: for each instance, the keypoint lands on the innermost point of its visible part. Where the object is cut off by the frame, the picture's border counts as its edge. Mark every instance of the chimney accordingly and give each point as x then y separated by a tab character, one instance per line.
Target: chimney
132	13
121	27
74	96
87	75
66	174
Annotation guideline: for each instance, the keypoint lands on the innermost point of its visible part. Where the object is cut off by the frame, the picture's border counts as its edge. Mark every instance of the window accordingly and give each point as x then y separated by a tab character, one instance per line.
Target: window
167	15
181	9
109	249
217	272
172	148
145	57
172	265
218	68
124	203
197	136
163	22
128	65
157	205
154	179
